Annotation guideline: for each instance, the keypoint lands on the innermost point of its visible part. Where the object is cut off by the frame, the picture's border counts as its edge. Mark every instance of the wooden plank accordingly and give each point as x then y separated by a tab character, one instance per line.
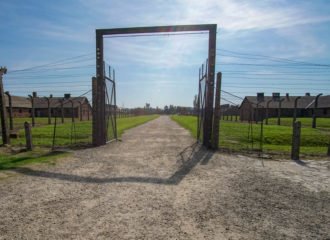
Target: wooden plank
157	29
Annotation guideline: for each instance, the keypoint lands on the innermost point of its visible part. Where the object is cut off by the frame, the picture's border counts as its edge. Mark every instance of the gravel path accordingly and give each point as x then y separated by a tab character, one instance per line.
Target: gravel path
158	184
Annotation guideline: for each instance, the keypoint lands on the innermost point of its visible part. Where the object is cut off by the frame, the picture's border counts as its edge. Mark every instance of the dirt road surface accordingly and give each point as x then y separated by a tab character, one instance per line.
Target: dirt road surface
158	184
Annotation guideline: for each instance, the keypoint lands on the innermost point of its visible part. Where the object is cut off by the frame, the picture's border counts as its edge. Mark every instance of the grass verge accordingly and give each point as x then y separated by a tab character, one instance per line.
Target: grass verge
276	139
74	134
43	136
10	159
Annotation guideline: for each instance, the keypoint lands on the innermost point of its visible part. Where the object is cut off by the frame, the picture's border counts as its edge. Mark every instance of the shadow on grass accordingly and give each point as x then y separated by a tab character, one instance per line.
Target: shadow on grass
189	158
13	161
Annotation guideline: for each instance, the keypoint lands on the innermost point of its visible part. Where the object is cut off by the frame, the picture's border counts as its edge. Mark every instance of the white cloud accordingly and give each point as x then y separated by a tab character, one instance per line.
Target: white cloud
234	15
161	52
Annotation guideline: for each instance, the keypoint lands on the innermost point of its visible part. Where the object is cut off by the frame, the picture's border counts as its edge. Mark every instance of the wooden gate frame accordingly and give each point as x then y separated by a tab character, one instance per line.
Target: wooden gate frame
99	123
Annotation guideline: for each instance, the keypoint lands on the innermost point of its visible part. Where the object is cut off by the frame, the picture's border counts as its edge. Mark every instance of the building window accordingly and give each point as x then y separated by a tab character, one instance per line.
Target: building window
20	110
325	111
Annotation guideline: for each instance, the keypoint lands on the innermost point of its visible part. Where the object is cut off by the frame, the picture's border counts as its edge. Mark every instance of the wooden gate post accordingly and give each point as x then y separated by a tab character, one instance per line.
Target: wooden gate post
28	136
208	117
99	123
216	119
295	148
95	132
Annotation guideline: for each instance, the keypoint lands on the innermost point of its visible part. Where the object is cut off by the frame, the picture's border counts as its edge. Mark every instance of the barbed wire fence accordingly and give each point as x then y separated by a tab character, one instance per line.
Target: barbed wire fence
271	134
79	137
66	86
244	74
275	132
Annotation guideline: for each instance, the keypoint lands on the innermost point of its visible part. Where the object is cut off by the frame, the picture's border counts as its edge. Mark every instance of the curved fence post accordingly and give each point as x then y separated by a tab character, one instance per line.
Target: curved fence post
10	105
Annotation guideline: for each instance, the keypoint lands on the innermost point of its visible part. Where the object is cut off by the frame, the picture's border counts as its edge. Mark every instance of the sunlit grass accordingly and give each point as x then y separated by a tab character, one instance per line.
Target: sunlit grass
70	133
245	136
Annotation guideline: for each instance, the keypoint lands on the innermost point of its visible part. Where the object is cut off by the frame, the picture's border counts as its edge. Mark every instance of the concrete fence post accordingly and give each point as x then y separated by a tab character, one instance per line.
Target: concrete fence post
279	111
49	110
87	113
62	110
32	109
28	136
11	123
295	110
267	110
80	111
315	109
3	110
295	148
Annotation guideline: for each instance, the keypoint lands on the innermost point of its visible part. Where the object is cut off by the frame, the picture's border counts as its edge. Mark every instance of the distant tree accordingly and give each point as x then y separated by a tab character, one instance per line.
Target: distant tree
147	105
166	109
172	109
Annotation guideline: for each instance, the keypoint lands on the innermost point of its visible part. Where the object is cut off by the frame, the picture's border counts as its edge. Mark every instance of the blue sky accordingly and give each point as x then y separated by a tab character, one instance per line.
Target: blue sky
163	70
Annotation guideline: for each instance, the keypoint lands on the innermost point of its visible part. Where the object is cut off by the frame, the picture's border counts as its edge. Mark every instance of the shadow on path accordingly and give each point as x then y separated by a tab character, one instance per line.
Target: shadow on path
189	158
300	162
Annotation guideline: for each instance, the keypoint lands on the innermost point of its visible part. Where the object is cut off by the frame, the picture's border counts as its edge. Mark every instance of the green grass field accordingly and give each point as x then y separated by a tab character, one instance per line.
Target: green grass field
10	160
39	121
305	122
43	139
78	133
277	139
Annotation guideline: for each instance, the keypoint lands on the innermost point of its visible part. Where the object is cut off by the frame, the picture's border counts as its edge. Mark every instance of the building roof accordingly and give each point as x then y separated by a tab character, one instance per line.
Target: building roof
55	102
232	110
18	102
41	102
288	102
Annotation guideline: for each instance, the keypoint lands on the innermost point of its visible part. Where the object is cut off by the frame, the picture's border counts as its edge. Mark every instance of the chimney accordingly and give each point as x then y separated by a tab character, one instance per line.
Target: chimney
287	96
67	95
260	97
307	94
34	94
50	95
276	97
